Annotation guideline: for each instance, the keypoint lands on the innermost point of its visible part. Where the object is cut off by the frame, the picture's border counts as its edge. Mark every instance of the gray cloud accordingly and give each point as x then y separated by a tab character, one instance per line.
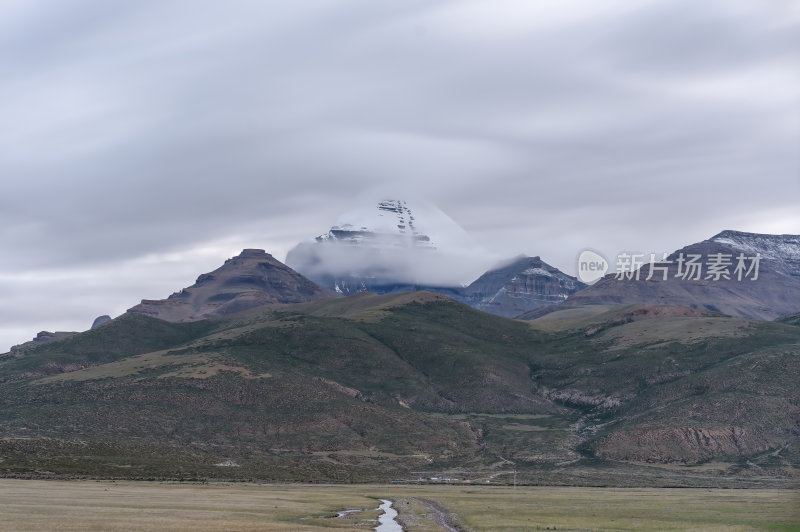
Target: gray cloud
186	129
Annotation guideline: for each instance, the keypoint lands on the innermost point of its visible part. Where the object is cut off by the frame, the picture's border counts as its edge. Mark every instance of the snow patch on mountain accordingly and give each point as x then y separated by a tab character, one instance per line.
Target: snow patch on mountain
537	271
770	246
782	250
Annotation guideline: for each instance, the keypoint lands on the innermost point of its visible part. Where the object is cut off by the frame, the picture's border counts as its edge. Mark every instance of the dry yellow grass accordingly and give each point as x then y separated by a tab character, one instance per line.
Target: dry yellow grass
111	506
566	508
89	505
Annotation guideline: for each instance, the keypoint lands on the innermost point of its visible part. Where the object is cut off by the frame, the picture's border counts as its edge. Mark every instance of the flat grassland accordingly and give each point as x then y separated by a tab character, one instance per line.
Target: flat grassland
108	505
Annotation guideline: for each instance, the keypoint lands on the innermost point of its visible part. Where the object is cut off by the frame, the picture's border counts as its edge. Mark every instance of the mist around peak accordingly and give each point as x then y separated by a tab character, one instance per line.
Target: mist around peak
395	240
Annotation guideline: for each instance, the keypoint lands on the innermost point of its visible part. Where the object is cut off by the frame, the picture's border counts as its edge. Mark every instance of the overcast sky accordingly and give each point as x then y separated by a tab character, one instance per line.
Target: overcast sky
143	142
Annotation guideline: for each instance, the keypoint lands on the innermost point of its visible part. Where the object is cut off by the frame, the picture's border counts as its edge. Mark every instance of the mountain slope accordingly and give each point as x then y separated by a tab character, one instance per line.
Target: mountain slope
251	279
682	386
372	387
774	293
290	392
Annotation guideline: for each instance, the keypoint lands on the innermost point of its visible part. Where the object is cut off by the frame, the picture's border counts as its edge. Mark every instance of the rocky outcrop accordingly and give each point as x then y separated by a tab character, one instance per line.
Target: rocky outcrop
252	279
100	320
690	445
579	399
43	337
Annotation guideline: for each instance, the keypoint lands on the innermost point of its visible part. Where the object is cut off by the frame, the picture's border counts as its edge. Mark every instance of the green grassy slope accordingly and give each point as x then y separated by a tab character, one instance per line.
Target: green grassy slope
130	334
371	387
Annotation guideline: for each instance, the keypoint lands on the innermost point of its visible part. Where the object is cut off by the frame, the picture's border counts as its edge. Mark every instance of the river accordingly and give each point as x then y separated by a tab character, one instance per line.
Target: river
386	520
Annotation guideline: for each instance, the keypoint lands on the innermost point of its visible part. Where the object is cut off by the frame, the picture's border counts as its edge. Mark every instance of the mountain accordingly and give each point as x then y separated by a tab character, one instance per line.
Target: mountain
386	247
253	278
370	388
767	287
522	285
392	248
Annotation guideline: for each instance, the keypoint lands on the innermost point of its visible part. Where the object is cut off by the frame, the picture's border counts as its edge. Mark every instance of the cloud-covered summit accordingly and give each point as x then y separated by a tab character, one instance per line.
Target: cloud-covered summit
390	241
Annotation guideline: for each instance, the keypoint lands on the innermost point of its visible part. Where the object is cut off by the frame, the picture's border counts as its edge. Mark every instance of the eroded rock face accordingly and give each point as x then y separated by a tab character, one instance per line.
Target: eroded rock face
689	445
251	279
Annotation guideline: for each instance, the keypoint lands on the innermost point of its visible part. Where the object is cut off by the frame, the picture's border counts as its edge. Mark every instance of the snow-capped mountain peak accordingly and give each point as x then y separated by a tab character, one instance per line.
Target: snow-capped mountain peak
391	223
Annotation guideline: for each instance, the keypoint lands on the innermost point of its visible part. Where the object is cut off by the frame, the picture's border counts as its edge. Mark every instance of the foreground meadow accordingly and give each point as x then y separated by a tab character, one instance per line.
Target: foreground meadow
107	505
